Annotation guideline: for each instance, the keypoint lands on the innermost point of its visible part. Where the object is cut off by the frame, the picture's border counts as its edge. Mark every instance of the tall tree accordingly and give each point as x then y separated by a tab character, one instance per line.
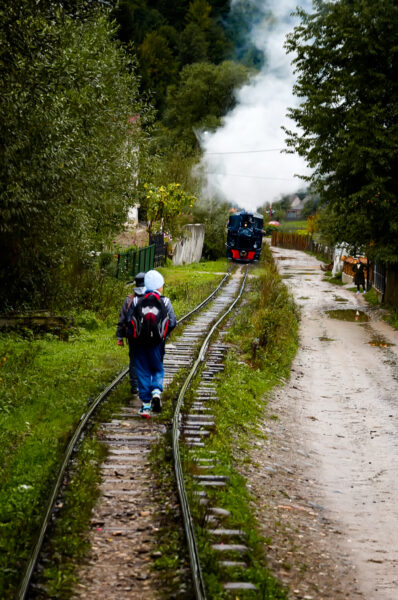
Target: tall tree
204	94
346	60
70	133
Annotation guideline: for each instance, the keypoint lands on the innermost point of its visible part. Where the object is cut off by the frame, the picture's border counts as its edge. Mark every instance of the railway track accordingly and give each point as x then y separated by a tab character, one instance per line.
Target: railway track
128	491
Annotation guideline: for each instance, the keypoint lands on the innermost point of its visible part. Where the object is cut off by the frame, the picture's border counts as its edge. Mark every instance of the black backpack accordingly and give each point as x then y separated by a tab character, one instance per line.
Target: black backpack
148	319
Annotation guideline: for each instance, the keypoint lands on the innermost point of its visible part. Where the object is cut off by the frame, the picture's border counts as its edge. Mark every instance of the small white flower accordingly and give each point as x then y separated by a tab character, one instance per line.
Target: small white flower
24	487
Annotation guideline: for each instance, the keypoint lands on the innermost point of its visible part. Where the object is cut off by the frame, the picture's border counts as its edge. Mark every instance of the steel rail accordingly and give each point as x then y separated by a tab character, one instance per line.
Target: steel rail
199	587
75	438
71	446
206	300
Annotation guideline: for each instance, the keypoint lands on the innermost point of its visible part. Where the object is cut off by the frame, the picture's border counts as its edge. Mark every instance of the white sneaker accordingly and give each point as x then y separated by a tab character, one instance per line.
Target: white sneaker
145	410
156	401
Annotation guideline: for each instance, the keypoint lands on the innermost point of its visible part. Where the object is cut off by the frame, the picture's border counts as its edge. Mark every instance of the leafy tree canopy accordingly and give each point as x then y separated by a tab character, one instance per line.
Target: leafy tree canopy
346	64
213	213
204	94
166	203
195	31
70	134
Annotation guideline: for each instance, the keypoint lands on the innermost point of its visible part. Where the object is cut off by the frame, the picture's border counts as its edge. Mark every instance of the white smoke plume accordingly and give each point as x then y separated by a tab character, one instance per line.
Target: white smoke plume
242	159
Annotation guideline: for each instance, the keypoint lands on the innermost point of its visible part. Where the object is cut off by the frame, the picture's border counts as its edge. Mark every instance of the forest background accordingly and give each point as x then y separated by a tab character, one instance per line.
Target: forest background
103	104
99	101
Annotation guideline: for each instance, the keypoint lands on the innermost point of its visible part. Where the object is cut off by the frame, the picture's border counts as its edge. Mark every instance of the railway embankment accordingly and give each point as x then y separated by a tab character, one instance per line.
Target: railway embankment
258	343
46	384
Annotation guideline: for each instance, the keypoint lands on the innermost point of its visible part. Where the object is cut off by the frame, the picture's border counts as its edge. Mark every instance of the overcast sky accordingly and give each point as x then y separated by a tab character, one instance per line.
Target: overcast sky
252	178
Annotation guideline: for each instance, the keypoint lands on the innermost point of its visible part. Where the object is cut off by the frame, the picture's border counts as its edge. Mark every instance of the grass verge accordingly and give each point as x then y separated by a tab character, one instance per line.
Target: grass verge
188	285
263	337
45	386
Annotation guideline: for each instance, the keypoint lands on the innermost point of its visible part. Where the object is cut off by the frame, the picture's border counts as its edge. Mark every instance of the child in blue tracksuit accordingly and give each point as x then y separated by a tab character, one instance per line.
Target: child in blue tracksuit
148	361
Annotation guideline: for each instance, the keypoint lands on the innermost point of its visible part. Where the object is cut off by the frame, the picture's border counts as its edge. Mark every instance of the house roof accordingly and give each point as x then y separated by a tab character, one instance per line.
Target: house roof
297	203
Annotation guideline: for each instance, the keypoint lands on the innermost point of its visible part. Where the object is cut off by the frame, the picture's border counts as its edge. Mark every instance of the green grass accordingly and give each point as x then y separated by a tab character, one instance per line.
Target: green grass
67	543
292	226
372	298
187	285
336	280
264	345
264	337
209	266
45	386
392	318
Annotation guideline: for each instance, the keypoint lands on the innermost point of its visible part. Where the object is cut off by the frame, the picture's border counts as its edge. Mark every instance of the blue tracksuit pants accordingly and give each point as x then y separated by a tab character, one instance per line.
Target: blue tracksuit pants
149	370
132	375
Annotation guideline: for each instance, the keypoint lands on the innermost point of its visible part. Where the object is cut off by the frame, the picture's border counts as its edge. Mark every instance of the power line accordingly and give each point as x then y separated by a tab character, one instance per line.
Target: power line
248	176
247	151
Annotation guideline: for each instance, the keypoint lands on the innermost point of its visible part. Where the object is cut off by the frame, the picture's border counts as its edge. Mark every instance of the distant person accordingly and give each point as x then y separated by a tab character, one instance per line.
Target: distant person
151	319
359	277
121	330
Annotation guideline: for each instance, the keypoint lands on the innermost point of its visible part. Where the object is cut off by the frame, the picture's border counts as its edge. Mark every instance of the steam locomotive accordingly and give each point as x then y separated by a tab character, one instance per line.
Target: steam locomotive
245	236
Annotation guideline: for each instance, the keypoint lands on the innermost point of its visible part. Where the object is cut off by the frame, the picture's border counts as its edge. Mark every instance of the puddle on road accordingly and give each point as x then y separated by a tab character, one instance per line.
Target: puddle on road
287	276
284	258
380	343
348	314
339	299
326	339
304	297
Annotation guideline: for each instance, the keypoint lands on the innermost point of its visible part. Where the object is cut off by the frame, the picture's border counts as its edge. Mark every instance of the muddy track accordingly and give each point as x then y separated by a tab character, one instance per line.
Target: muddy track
325	479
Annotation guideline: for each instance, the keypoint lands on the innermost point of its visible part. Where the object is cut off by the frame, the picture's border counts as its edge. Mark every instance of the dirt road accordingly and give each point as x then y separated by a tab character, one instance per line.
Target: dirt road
326	478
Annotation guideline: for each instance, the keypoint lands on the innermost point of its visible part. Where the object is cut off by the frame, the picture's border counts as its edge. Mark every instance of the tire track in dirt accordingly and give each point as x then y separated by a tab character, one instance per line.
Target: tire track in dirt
325	478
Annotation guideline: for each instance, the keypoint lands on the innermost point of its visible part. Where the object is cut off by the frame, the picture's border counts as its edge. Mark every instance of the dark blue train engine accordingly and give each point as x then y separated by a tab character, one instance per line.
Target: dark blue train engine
245	236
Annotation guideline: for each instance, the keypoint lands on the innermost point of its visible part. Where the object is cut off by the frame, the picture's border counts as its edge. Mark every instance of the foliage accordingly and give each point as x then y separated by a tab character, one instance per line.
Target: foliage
45	385
170	35
188	285
270	228
214	215
310	206
156	60
346	59
239	22
69	151
204	93
278	210
65	546
312	224
165	203
270	337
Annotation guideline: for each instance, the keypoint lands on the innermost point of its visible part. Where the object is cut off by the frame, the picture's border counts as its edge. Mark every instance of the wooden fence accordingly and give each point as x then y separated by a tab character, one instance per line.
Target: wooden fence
297	241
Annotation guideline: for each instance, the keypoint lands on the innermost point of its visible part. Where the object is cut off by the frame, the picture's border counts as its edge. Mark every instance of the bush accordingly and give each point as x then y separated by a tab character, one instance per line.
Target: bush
214	215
